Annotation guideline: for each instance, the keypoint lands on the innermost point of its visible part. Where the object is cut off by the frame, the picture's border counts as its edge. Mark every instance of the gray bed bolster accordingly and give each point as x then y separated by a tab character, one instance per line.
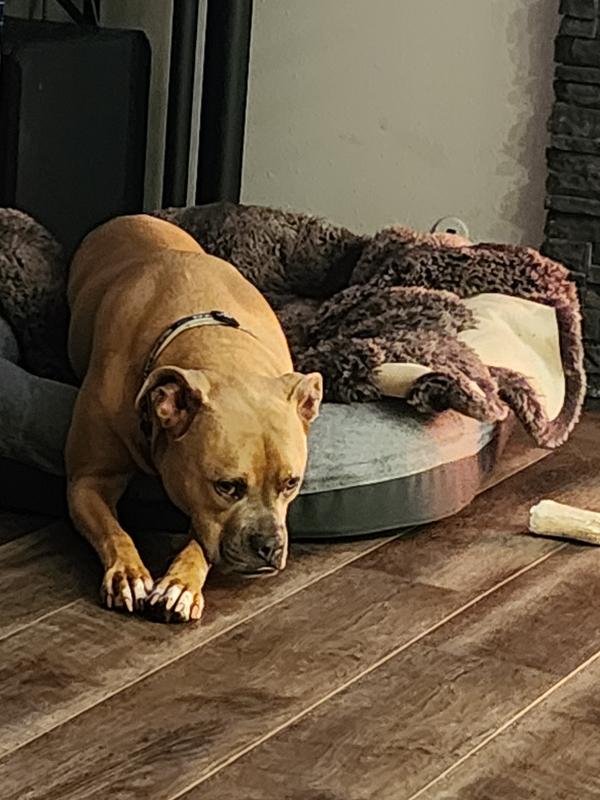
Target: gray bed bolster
35	414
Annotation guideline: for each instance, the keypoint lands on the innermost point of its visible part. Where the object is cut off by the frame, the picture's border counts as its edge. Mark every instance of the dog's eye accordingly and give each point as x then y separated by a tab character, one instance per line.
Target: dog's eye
290	485
232	489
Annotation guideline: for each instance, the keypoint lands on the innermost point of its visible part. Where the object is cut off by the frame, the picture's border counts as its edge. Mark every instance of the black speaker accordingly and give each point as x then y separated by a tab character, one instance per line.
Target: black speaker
73	117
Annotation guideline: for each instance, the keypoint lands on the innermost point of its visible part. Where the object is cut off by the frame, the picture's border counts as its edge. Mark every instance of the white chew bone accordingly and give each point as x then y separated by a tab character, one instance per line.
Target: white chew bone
548	518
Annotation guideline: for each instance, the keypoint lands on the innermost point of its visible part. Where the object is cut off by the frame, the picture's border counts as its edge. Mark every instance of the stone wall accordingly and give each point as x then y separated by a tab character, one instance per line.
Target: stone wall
573	188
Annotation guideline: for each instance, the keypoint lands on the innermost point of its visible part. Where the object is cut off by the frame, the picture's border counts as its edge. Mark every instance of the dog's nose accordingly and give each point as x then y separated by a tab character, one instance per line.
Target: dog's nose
268	548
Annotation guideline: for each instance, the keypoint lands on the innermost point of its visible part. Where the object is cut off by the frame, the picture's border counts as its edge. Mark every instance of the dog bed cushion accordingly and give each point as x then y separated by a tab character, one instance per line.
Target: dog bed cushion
371	469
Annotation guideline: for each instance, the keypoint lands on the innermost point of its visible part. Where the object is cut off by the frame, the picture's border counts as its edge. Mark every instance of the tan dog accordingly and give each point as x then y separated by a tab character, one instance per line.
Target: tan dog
214	409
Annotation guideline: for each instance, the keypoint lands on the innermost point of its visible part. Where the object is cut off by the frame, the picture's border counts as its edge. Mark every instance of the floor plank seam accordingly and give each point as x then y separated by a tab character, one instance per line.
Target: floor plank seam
21	628
364	673
216	635
514	719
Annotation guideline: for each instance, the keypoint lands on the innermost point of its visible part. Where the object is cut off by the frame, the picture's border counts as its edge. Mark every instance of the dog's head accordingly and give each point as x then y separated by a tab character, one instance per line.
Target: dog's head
232	454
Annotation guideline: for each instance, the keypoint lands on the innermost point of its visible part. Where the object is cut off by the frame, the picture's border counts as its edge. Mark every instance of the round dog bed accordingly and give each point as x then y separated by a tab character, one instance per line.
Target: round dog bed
376	467
373	467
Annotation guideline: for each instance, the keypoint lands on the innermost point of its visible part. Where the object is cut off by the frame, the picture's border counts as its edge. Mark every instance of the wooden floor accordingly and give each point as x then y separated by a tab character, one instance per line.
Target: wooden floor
460	661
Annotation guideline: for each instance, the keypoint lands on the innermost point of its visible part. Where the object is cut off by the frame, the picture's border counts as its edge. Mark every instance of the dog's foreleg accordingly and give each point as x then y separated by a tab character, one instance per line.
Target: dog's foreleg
177	597
92	504
99	467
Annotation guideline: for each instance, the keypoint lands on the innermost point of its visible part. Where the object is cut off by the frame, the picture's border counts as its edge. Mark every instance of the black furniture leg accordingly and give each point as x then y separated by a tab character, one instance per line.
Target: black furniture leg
179	108
224	93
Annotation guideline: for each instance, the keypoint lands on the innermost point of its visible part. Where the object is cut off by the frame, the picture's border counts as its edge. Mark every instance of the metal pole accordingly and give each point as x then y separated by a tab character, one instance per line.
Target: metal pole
1	32
224	94
179	108
71	9
91	12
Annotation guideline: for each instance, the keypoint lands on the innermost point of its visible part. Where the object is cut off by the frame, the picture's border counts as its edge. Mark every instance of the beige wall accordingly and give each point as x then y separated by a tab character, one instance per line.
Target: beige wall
380	111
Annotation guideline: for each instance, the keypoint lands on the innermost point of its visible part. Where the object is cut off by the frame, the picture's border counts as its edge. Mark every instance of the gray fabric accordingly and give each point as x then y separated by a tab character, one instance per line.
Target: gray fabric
370	468
35	414
367	443
417	498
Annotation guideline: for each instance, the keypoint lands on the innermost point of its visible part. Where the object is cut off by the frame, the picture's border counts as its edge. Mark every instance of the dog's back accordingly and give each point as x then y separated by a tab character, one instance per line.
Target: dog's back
134	276
106	256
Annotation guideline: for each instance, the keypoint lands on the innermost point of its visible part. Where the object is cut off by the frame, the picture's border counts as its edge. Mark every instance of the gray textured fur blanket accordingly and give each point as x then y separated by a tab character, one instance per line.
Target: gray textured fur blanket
348	303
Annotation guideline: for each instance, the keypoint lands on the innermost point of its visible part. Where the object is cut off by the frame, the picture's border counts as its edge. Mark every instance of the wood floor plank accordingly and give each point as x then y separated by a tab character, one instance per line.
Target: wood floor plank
395	730
551	752
229	693
557	648
14	524
75	657
86	672
468	546
43	572
62	568
518	454
143	739
392	732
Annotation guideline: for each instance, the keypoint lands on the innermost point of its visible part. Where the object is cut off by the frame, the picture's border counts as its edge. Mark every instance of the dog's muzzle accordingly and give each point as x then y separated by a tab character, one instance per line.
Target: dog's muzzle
254	554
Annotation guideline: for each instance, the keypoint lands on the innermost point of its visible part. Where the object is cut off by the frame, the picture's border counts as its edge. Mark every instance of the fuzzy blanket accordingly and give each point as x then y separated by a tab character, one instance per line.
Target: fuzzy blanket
439	321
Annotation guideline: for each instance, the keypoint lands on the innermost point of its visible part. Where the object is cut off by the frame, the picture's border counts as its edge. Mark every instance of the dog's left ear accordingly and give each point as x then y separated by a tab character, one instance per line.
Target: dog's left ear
173	396
307	392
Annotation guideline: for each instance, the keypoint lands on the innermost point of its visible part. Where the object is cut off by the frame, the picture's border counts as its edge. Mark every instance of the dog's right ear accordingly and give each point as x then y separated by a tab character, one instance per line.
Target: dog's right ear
173	397
306	391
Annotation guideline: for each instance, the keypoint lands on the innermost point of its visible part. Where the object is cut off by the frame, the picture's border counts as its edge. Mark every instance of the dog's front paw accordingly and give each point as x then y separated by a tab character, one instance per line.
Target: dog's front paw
125	587
172	600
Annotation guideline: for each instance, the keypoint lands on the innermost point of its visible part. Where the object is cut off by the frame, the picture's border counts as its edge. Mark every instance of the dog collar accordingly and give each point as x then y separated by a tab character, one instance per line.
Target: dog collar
184	324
